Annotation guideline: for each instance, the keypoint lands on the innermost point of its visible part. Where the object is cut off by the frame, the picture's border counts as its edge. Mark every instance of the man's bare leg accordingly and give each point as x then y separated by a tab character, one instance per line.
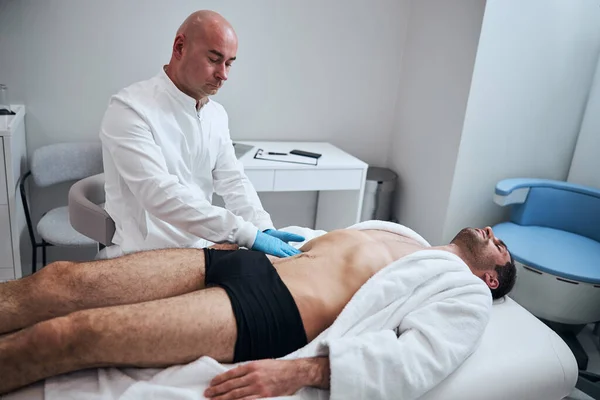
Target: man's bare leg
158	333
64	287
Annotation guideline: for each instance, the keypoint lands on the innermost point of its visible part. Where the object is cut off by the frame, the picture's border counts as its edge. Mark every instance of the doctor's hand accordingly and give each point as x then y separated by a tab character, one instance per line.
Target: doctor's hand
272	245
255	380
285	236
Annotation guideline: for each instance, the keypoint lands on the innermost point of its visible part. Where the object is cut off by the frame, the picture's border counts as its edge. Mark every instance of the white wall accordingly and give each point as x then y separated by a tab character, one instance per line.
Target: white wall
309	70
585	166
435	78
533	72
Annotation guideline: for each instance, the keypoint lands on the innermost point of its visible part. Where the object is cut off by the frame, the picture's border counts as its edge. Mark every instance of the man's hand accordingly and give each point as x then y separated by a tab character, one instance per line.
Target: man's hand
270	378
257	379
272	245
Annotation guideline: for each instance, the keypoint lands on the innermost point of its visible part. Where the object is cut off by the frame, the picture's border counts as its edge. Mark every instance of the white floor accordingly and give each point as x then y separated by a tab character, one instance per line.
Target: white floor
589	341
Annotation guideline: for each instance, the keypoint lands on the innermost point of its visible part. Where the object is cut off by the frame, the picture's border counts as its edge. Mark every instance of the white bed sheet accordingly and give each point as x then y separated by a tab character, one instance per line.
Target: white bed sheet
519	358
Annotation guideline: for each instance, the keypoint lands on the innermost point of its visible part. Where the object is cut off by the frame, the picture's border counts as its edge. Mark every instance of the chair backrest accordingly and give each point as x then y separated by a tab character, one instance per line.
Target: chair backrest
64	162
568	210
86	213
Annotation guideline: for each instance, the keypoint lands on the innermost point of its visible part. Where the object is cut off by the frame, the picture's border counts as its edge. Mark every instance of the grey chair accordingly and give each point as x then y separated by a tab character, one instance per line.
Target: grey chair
51	165
86	211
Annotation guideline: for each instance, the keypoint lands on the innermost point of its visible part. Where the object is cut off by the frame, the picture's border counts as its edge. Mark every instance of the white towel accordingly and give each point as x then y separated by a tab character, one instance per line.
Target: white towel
410	326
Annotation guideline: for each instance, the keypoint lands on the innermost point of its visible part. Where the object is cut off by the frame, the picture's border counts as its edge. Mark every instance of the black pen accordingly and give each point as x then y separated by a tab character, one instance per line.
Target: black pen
272	153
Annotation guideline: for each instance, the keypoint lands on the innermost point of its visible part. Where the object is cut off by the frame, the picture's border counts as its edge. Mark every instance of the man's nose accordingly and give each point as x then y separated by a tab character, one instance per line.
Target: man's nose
488	230
222	72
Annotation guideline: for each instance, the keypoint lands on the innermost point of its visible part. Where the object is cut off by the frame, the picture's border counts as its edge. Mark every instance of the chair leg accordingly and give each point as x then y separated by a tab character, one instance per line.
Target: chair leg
589	384
34	258
44	245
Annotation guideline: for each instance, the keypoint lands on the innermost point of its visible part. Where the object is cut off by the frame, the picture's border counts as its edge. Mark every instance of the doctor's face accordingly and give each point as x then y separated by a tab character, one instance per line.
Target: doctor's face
206	60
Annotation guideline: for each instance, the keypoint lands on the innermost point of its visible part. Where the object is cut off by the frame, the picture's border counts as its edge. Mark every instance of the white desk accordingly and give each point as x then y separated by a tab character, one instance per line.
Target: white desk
338	177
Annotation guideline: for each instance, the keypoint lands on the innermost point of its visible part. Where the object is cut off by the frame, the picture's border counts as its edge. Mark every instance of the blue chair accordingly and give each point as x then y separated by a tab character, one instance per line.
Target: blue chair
554	236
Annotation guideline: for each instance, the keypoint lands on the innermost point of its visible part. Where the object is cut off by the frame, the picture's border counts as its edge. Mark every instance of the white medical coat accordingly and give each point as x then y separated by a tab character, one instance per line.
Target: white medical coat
162	162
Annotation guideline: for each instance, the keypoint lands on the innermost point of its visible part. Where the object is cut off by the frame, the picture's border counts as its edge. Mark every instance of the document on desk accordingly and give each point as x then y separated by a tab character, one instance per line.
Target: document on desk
262	154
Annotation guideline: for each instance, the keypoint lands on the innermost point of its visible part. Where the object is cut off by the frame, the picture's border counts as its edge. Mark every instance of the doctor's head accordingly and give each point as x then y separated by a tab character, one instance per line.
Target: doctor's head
203	50
488	258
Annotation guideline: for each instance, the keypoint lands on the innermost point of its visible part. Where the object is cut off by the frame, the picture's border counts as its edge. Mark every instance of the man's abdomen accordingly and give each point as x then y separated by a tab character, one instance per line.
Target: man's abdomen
321	288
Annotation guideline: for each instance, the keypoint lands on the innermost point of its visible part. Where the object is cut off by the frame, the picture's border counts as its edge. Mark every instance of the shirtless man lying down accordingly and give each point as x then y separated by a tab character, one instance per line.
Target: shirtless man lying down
164	307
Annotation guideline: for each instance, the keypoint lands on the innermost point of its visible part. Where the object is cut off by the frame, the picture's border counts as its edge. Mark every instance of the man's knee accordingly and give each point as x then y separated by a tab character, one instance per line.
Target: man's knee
71	334
63	271
57	333
57	268
56	278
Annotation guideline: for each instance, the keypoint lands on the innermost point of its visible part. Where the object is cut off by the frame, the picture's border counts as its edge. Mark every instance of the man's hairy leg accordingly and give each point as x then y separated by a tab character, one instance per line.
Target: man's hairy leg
64	287
158	333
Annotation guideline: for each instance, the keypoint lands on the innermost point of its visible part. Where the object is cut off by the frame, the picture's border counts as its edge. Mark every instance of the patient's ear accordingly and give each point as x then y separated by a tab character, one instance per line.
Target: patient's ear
491	279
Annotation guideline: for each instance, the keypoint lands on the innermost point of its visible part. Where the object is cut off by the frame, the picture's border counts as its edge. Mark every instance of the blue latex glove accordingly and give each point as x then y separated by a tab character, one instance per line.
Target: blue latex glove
273	245
285	236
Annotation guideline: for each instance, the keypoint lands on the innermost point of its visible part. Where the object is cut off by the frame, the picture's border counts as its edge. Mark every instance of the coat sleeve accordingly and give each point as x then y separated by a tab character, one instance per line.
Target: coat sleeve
142	166
233	185
433	341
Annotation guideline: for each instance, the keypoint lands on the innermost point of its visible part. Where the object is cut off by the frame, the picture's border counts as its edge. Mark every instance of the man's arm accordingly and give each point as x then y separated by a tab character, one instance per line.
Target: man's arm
313	371
270	378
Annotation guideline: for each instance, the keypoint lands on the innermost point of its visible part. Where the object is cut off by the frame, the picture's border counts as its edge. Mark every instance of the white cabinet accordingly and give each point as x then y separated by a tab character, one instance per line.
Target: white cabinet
13	161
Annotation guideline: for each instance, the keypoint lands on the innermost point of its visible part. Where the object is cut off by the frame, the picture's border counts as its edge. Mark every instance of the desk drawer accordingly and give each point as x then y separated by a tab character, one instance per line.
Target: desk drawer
296	180
262	180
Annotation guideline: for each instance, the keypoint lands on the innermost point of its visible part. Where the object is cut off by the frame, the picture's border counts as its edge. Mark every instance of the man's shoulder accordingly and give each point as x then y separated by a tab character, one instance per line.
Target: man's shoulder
140	89
133	103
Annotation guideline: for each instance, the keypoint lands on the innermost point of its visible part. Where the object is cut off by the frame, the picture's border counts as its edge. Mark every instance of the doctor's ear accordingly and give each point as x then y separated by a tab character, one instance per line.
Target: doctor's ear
178	46
491	279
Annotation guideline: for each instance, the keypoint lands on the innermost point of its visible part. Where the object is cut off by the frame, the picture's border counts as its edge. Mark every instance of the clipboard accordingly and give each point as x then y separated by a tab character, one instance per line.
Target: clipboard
262	154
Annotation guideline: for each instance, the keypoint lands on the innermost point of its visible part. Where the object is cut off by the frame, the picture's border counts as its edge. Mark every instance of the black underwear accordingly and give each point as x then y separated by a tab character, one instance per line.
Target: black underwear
268	321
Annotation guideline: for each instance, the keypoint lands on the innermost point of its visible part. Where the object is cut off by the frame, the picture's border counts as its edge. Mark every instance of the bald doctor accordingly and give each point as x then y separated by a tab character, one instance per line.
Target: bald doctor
166	149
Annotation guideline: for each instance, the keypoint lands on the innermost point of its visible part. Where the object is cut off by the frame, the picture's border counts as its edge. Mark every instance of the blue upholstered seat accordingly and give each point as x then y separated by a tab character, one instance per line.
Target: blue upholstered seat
554	226
553	251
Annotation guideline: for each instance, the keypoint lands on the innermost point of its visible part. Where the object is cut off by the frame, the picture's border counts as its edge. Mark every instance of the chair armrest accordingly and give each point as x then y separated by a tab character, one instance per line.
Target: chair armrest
553	204
86	214
515	191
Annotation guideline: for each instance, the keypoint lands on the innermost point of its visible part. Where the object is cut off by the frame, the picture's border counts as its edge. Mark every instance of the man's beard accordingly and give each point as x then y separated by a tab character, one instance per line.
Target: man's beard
470	239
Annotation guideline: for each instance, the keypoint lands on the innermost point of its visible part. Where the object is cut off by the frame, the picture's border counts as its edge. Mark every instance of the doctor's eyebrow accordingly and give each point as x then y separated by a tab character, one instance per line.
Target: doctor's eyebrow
220	55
